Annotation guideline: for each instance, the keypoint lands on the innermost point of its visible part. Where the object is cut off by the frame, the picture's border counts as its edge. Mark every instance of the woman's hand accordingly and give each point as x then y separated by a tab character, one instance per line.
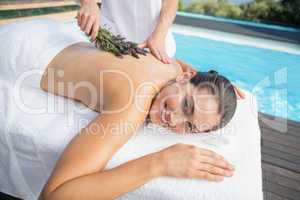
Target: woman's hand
88	18
186	67
189	161
156	44
239	93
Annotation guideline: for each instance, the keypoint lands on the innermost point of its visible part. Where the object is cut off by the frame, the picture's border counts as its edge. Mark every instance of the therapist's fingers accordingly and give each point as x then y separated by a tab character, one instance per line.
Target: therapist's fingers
166	58
156	54
143	45
89	25
169	60
84	18
95	30
163	58
78	18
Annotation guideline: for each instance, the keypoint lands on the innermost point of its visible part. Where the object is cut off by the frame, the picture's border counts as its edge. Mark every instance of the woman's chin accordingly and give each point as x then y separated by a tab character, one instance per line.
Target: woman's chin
154	118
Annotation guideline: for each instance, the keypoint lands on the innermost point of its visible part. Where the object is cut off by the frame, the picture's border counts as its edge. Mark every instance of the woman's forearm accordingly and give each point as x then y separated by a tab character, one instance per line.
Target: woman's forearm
167	16
111	183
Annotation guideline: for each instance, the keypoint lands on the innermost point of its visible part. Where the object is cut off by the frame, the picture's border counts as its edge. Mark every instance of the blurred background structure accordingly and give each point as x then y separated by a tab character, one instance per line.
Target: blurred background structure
280	12
283	12
16	10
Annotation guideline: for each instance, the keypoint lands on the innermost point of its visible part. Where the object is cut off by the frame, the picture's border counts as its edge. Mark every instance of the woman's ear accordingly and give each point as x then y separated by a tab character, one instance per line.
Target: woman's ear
185	77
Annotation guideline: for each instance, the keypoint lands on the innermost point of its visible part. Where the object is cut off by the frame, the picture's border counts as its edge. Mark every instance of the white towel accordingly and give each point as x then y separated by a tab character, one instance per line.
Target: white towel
31	142
35	127
27	47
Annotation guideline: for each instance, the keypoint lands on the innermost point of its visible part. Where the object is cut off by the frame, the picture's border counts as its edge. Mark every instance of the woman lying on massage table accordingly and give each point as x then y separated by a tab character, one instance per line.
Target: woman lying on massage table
127	92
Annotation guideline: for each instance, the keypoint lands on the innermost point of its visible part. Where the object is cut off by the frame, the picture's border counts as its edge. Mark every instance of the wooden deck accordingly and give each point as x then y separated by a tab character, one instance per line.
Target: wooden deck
280	158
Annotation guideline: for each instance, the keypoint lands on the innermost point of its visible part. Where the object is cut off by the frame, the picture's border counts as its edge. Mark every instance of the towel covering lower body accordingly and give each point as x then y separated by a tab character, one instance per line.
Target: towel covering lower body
28	47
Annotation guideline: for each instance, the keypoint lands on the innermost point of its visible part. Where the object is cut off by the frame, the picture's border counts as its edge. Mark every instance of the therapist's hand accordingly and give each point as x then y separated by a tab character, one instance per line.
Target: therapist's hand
88	18
156	44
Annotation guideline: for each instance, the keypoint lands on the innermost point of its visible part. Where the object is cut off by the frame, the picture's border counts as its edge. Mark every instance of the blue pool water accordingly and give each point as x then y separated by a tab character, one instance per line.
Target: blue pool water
273	76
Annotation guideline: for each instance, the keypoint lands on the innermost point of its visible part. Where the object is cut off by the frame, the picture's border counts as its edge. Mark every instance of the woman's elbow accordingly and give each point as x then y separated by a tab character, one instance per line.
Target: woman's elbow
45	195
50	194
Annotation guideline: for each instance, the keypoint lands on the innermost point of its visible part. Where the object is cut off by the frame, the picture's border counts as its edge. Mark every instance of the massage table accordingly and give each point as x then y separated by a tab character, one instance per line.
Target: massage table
36	126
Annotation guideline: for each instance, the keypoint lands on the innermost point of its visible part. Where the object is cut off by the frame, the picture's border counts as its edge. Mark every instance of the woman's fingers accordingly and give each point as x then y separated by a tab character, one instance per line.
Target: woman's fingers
204	175
214	157
185	67
216	162
239	93
215	170
213	165
190	161
210	153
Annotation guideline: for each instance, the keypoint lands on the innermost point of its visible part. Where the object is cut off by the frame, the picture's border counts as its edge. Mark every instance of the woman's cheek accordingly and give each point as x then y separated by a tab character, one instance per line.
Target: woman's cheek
154	116
179	129
172	104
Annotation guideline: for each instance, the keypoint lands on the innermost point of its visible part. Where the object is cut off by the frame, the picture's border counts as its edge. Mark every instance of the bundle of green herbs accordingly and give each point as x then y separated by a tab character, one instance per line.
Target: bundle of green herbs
117	45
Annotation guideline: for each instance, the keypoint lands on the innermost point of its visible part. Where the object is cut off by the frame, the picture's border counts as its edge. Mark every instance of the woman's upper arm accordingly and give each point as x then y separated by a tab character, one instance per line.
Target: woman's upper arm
94	146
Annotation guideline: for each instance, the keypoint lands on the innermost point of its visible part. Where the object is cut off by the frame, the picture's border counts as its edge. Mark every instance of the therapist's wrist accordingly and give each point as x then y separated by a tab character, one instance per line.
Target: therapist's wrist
84	2
163	26
159	35
160	32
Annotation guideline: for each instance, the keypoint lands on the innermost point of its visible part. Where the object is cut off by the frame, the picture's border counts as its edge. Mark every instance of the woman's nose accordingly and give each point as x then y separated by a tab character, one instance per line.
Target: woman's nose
177	118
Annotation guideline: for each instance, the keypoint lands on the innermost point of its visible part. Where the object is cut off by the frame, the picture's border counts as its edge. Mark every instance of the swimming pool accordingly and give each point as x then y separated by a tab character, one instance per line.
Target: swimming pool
273	76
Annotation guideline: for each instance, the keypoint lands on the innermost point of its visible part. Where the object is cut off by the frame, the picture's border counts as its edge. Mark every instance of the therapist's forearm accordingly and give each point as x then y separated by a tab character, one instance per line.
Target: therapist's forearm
86	1
167	16
112	183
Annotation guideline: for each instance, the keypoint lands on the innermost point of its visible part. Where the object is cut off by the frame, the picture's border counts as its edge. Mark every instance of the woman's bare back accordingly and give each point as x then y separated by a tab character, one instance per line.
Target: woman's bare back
101	80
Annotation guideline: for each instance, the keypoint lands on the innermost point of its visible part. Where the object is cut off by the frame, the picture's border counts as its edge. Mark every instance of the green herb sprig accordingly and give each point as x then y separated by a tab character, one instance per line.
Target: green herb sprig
117	45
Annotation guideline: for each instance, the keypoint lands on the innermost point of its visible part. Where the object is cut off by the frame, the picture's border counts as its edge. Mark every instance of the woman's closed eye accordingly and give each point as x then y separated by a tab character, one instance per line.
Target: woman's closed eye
188	106
189	127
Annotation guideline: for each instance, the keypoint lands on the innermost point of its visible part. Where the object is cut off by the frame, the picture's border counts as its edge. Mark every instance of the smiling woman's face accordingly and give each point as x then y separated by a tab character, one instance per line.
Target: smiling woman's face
184	108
